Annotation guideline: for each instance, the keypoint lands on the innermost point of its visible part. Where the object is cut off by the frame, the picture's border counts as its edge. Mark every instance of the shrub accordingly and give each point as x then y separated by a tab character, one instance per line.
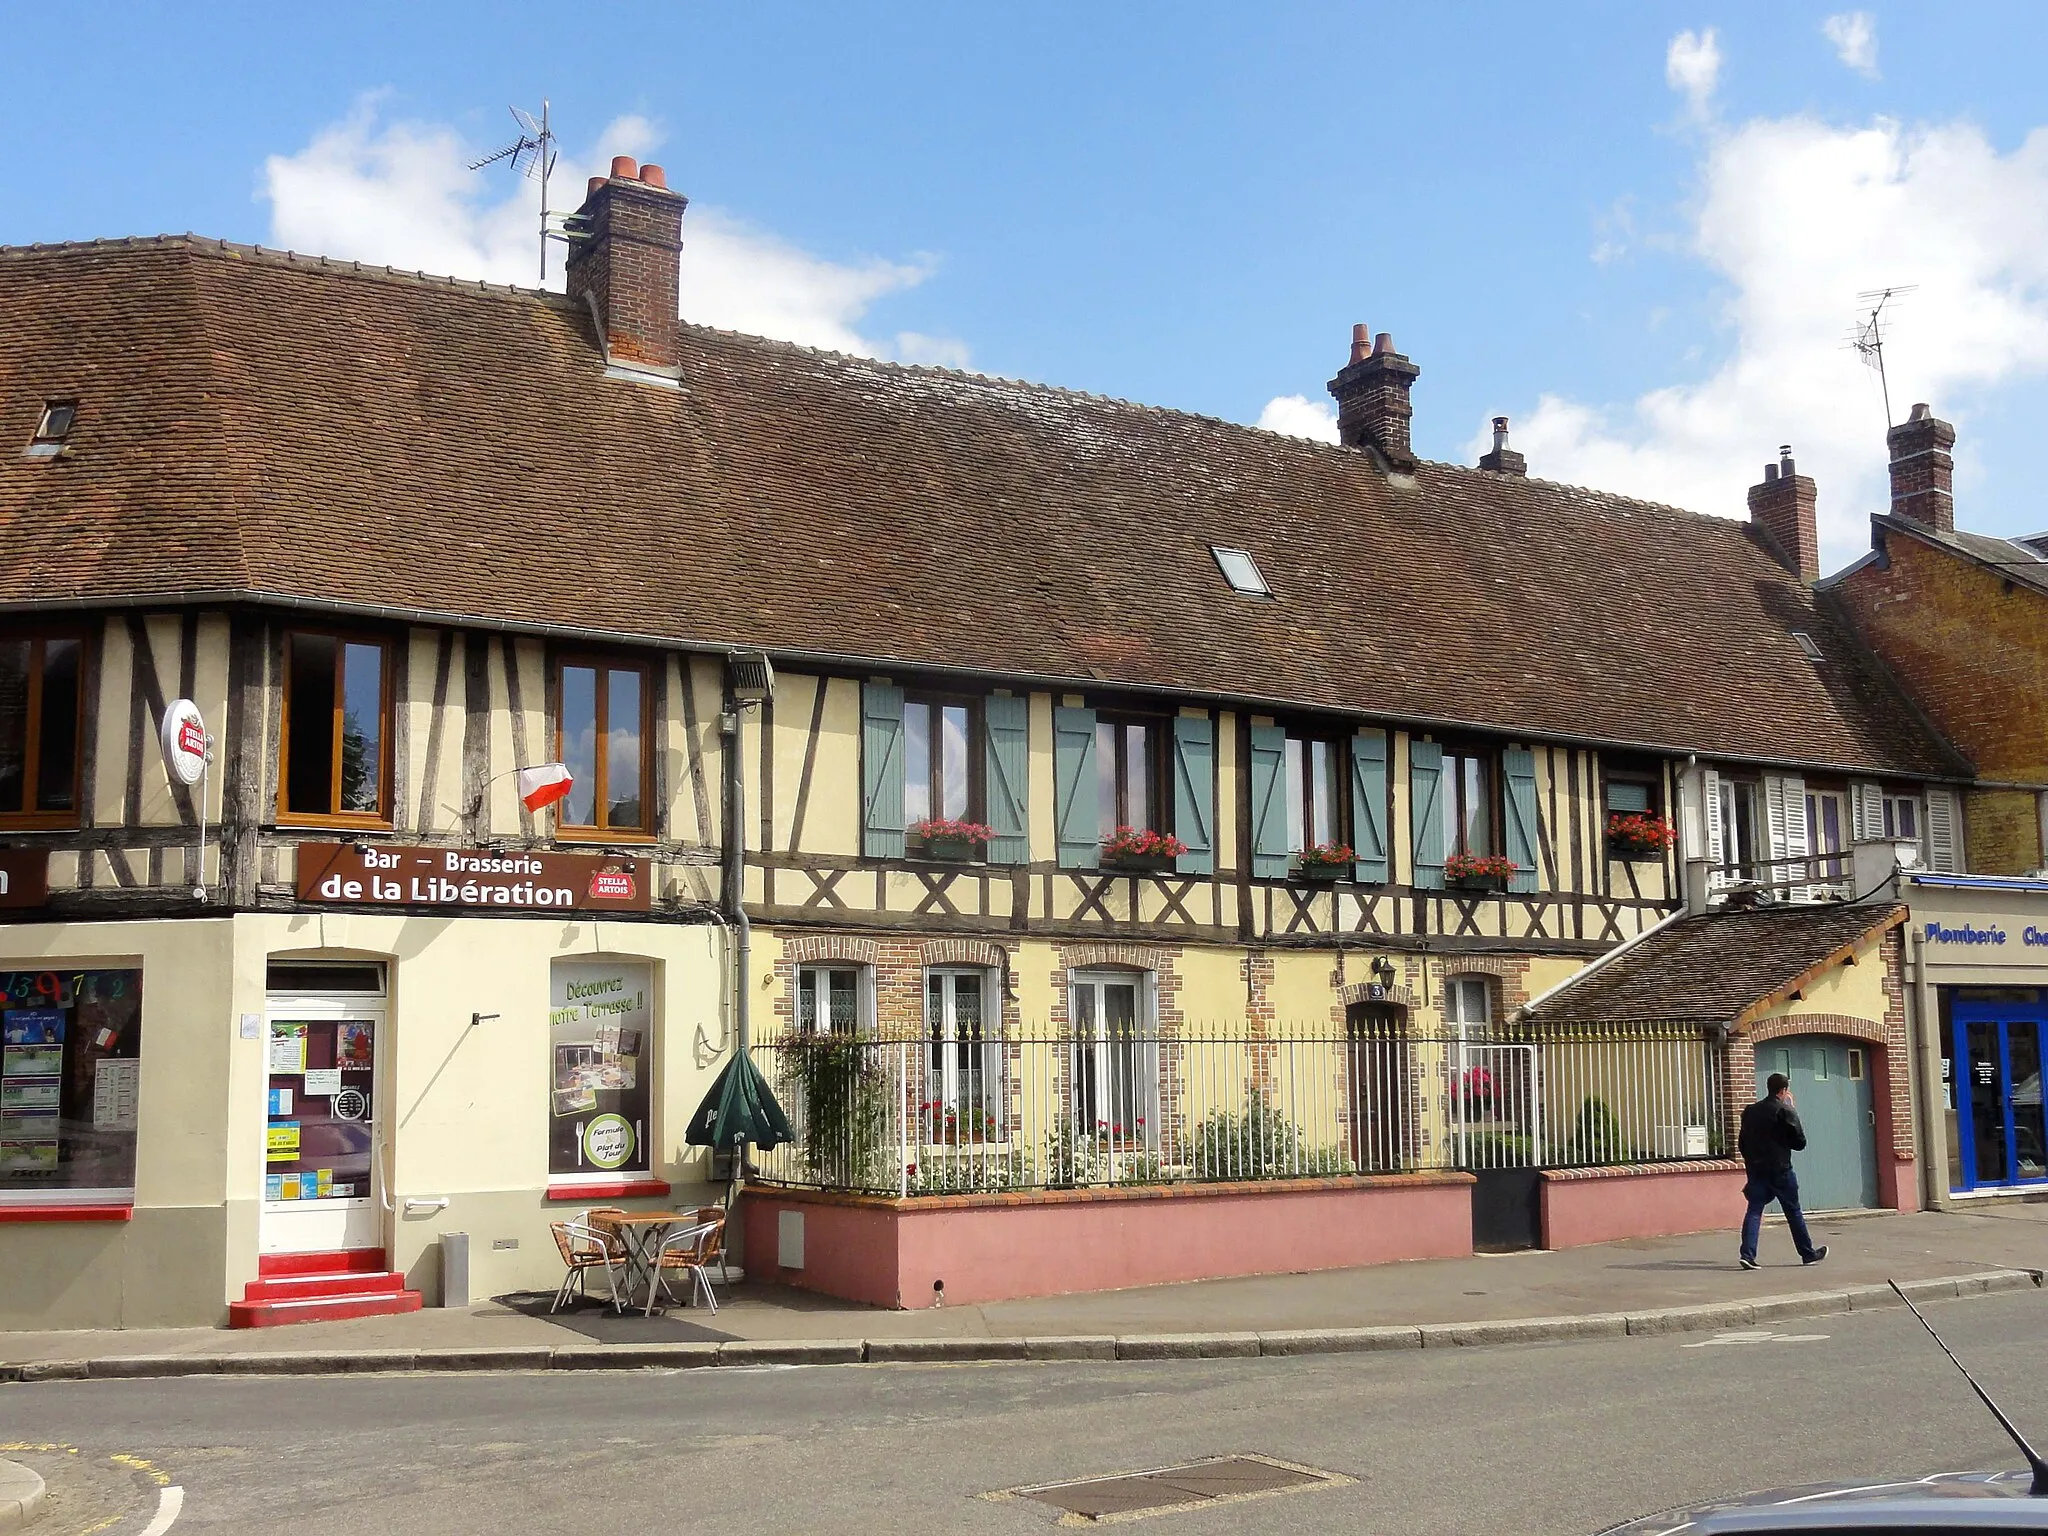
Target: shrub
1261	1143
845	1098
1596	1136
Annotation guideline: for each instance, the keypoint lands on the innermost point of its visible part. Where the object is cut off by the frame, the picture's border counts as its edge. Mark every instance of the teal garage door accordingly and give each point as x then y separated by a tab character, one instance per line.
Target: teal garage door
1831	1083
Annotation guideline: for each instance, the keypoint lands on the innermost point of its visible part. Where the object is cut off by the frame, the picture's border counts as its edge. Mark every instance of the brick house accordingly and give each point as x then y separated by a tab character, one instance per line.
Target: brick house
399	538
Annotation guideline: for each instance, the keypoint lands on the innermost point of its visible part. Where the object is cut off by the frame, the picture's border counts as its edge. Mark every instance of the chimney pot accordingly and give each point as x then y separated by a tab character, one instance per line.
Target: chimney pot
654	176
1922	410
1500	433
1383	345
1783	508
624	168
1361	343
591	190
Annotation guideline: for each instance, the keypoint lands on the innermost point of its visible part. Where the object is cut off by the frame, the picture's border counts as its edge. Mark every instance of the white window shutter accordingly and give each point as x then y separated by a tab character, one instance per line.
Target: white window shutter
1717	841
1866	811
1944	832
1785	807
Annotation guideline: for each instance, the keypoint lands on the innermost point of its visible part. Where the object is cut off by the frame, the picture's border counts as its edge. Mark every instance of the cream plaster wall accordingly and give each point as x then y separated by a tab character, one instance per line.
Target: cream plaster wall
1856	991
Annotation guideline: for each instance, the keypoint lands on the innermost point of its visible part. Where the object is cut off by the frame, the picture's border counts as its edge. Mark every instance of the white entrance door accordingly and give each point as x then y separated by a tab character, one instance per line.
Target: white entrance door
323	1168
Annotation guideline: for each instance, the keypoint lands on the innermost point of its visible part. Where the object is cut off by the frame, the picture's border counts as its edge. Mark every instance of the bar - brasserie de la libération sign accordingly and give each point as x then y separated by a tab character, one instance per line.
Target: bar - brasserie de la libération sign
386	874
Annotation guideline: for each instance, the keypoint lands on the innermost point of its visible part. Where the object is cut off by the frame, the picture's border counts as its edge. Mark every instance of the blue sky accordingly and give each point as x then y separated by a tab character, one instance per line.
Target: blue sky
1639	229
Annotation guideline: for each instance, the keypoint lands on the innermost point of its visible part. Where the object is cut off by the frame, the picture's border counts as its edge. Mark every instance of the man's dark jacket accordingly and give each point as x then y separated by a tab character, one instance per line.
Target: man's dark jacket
1771	1133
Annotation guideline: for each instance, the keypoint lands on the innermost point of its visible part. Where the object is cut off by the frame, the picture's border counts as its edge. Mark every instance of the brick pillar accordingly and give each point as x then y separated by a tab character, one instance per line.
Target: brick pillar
629	266
1782	508
1373	409
1923	473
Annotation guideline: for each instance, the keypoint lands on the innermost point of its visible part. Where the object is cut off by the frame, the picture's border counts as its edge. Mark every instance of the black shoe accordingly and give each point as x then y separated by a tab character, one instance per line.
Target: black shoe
1817	1255
1749	1264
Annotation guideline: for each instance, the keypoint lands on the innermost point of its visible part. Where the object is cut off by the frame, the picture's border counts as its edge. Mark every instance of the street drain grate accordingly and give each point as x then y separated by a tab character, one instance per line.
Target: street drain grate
1168	1490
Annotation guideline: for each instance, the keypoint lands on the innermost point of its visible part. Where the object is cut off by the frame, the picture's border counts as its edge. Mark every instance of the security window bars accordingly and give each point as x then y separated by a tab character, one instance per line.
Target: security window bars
604	732
336	708
40	705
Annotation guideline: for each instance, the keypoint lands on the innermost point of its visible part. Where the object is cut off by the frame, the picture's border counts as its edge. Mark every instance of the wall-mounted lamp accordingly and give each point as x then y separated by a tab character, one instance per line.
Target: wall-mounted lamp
1383	972
478	1018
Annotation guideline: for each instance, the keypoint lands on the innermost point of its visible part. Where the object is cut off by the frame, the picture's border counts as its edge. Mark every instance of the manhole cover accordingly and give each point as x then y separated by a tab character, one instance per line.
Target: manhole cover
1163	1490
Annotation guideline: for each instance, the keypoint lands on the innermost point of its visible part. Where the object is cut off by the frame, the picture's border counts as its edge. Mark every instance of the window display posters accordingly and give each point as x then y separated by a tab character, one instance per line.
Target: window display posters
600	1020
288	1048
70	1078
321	1123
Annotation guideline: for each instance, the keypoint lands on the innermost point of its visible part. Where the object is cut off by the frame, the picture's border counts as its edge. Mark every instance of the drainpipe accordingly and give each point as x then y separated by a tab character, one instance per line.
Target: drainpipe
1923	1036
735	875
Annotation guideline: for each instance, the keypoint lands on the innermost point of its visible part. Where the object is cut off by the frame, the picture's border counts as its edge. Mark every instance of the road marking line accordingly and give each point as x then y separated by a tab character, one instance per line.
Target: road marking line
170	1502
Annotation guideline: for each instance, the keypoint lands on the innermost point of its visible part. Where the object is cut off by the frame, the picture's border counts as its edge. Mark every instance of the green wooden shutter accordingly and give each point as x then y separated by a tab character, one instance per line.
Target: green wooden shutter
1269	802
1425	812
1007	726
1076	798
881	771
1194	792
1518	767
1369	807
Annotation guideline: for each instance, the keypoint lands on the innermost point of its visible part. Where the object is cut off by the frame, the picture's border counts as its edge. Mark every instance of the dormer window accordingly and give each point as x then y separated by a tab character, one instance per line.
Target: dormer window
1241	571
53	428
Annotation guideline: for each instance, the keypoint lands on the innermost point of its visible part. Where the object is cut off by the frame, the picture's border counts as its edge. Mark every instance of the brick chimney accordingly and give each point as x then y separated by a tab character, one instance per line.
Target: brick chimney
625	269
1372	398
1782	508
1503	460
1923	474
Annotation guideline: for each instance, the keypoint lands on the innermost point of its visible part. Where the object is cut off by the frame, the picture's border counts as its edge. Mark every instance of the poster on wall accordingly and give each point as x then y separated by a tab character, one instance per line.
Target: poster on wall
70	1079
600	1019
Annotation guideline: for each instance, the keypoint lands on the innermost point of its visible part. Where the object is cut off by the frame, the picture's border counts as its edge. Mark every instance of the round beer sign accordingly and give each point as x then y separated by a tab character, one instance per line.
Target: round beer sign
184	741
608	1141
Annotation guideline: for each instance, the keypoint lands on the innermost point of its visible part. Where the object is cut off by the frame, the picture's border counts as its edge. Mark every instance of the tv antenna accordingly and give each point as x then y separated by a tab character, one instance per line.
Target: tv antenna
1867	337
531	155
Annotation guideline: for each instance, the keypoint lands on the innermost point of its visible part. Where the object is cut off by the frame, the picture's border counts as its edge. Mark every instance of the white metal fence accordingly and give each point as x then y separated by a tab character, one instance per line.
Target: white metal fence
1048	1108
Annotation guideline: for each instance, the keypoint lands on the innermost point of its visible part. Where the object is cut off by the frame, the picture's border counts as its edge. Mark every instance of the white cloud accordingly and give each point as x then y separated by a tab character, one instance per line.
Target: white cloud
1854	34
400	194
1299	416
1692	67
1797	217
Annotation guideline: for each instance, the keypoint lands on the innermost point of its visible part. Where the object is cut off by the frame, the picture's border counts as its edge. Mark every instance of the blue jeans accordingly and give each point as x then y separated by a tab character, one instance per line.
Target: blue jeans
1761	1190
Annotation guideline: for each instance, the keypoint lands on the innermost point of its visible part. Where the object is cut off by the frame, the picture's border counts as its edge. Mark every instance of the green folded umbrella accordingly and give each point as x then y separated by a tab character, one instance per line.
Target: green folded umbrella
739	1108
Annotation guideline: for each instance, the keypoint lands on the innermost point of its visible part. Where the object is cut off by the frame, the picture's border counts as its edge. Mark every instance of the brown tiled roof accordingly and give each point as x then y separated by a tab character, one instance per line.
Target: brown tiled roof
309	431
1716	968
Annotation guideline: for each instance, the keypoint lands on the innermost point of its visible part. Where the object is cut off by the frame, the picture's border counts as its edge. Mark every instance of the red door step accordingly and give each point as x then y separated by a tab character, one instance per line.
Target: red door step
320	1309
371	1261
311	1287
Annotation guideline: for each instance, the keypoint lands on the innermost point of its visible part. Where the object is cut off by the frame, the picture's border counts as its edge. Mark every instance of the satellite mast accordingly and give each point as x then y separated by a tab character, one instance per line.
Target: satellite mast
1868	336
532	155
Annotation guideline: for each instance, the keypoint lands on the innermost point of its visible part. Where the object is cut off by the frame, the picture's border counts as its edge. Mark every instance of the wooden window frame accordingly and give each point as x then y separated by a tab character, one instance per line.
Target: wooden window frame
1304	783
381	820
977	752
1453	792
602	830
28	818
1632	772
1158	733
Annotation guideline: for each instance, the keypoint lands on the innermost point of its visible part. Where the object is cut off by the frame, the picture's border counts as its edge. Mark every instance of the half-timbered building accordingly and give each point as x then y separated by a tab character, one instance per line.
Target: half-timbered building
398	537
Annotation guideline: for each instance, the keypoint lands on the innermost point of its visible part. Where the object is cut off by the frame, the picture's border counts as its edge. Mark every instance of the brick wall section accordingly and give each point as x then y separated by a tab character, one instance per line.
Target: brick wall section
1783	507
631	268
1972	650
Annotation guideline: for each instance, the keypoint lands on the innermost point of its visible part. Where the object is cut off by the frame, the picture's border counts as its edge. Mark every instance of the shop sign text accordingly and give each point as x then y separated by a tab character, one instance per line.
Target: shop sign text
396	875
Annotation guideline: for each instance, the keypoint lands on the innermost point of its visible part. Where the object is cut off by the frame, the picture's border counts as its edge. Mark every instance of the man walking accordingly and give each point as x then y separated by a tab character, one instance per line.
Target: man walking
1771	1133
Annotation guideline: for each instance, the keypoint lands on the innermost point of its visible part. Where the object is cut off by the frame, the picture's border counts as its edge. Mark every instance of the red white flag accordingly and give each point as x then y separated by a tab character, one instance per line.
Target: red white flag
543	785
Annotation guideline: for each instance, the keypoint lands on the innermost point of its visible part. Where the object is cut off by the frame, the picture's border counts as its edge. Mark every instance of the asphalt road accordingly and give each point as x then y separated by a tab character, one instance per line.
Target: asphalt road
1542	1439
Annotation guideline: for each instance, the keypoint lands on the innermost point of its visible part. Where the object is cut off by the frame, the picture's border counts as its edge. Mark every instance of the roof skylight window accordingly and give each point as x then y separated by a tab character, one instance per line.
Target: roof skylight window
55	426
1241	571
1806	644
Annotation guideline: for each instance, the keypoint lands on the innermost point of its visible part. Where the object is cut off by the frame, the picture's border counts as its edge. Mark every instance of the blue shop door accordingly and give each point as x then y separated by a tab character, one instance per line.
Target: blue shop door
1831	1084
1995	1061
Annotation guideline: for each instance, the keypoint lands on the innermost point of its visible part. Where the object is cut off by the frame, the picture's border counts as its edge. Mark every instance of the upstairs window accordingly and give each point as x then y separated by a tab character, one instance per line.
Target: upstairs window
1315	792
1470	825
337	704
40	703
1902	819
1744	838
602	737
52	428
938	759
1127	775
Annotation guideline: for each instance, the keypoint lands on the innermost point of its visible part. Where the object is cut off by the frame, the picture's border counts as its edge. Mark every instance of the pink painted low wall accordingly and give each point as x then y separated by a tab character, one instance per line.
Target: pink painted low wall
1605	1205
893	1253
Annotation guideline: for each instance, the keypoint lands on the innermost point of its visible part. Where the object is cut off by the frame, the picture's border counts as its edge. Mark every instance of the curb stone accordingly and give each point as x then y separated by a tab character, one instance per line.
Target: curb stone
1158	1346
21	1494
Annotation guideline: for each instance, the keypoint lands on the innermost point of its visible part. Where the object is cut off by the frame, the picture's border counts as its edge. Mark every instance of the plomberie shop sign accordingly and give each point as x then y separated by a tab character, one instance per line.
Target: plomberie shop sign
1990	934
473	879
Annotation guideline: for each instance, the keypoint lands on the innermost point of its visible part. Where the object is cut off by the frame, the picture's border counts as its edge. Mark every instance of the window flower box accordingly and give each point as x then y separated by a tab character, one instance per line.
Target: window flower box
1139	851
1640	838
1324	862
949	841
1478	871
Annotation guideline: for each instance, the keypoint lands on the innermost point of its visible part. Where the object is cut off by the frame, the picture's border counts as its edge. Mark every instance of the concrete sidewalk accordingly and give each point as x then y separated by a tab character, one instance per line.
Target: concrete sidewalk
1653	1285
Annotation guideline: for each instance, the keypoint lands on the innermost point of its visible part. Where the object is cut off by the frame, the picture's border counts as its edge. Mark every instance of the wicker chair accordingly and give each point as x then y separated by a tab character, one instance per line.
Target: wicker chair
694	1249
584	1248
